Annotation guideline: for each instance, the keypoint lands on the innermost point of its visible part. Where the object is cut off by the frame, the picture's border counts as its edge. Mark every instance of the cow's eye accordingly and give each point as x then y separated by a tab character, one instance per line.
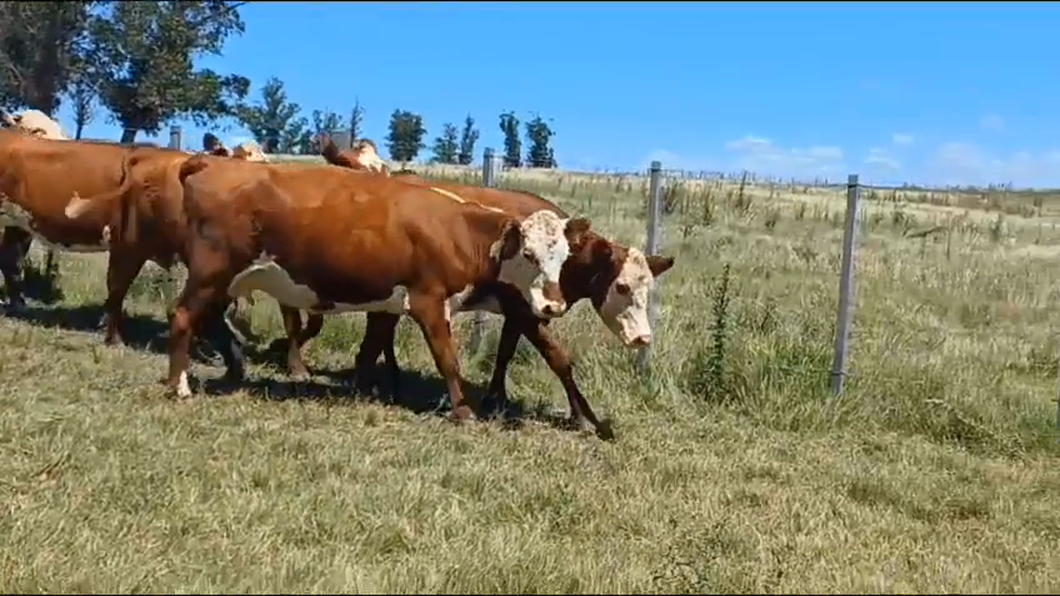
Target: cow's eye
529	255
622	289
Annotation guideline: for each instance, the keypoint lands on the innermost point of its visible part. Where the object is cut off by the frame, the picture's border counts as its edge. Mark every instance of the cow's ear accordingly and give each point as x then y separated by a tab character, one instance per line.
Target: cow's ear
576	230
511	240
659	264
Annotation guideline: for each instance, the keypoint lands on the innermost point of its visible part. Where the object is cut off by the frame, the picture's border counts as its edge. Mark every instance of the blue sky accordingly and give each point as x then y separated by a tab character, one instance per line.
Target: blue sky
920	92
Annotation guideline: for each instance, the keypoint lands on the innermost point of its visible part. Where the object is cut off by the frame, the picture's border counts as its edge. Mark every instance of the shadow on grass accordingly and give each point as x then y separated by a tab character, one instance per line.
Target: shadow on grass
416	392
140	332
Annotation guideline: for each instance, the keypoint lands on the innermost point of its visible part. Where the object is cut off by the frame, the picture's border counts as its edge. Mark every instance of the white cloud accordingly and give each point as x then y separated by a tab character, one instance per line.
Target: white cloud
761	155
881	159
966	163
992	122
902	139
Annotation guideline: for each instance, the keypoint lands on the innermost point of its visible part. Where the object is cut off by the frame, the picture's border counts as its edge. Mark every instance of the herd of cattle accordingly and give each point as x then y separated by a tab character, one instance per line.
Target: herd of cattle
345	236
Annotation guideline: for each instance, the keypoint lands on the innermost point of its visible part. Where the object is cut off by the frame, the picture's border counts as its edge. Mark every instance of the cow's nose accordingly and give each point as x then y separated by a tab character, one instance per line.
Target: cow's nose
641	341
553	309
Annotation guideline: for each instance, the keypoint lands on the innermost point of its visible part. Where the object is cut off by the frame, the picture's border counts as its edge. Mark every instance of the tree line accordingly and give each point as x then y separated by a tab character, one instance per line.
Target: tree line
136	61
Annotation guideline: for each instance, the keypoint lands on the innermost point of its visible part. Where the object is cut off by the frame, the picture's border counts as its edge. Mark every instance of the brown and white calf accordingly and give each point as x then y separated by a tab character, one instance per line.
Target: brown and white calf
616	279
326	241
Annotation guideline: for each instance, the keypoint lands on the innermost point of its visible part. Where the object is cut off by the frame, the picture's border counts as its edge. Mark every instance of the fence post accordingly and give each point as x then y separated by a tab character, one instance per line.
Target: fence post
654	221
846	287
174	137
480	317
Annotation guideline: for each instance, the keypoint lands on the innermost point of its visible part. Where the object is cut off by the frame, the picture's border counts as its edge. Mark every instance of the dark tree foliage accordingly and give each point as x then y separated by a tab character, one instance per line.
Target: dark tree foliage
275	122
356	119
145	53
468	138
539	135
42	46
513	146
82	95
405	139
446	147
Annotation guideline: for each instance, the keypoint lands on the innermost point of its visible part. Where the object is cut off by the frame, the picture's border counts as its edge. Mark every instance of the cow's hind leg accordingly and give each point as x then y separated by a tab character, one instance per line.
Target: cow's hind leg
122	269
225	340
13	248
429	313
378	338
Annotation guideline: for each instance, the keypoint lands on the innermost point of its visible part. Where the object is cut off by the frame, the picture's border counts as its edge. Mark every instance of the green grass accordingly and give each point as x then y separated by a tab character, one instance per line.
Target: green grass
734	469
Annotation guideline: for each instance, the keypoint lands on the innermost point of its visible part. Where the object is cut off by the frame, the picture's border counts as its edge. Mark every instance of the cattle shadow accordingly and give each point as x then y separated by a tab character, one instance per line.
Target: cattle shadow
419	393
140	332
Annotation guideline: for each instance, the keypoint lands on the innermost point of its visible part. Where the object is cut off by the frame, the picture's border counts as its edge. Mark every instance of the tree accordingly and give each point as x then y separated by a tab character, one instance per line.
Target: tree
274	121
82	95
513	147
146	51
405	139
539	135
41	45
325	122
445	146
356	119
468	138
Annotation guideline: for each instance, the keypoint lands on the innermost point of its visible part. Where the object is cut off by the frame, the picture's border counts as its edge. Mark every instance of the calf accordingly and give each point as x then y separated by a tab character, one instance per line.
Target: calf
363	155
326	240
615	278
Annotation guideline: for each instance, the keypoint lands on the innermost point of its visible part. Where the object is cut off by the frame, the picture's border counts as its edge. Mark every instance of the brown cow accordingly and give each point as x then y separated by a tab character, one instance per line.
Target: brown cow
325	241
38	177
616	279
148	181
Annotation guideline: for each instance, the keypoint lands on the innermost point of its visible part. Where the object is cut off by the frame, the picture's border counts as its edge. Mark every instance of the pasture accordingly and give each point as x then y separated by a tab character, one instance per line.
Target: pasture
734	469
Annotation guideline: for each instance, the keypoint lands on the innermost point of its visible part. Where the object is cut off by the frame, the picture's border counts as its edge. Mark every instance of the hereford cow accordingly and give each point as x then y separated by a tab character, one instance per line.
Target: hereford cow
616	279
149	188
325	241
363	155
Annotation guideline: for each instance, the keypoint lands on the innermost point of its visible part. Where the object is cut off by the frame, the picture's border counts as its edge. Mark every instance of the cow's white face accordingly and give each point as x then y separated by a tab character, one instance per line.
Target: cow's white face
625	309
370	159
250	151
536	267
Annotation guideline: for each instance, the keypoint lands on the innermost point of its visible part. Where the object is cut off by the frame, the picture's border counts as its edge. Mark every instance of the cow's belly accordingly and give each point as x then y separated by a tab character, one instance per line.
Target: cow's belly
14	216
265	275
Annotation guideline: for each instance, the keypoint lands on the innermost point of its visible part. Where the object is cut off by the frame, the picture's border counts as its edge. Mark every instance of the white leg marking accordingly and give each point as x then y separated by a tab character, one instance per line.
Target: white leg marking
183	389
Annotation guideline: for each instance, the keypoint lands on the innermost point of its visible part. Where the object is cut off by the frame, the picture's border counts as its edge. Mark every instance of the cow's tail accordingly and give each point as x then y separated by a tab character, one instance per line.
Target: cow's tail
101	207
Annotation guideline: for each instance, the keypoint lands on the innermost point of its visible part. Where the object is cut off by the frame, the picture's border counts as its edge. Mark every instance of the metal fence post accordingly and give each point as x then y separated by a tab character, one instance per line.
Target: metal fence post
479	325
846	287
654	221
175	137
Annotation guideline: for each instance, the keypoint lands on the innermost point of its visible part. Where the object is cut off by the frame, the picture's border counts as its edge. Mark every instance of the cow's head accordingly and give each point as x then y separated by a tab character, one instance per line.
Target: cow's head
617	281
532	256
250	151
34	123
366	154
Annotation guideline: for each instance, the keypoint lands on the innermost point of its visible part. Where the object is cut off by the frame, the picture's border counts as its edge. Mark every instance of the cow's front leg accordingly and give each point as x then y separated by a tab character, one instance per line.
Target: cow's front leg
292	324
497	395
429	313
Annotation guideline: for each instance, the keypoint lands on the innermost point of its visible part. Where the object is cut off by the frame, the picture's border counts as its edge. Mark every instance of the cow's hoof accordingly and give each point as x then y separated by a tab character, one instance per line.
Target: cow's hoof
494	406
462	414
605	431
15	307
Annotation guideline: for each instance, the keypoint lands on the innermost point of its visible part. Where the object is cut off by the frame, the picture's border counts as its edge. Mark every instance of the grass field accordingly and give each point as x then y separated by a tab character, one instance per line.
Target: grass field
734	469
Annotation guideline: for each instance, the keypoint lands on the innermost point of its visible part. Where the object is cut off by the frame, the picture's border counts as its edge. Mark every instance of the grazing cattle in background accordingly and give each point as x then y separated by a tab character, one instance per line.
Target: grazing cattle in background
149	191
363	155
325	241
616	279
